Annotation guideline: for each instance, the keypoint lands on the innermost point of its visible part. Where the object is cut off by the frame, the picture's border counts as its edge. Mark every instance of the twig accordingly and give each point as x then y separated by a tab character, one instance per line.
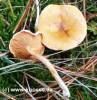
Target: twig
38	11
23	16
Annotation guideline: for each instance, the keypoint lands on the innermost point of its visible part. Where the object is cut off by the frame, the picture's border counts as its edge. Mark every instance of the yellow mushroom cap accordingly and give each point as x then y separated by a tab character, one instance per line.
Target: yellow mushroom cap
23	39
63	27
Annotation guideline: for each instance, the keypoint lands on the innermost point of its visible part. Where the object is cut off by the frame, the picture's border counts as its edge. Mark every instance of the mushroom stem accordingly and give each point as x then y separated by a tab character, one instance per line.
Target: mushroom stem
53	71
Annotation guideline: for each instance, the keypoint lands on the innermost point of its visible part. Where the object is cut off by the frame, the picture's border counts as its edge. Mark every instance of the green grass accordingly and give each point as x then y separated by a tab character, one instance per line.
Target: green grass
10	13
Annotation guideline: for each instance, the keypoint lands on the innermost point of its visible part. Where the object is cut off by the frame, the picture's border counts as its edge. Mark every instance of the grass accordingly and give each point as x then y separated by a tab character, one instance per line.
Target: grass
16	73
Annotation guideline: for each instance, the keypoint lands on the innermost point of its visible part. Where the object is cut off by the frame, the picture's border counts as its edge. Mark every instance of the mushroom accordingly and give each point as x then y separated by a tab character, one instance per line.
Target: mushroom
63	27
26	45
21	40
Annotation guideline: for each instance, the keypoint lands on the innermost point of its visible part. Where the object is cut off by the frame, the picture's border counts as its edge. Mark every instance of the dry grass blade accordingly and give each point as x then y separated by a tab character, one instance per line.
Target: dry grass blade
76	74
24	89
7	96
84	7
38	11
90	63
12	12
90	16
1	40
12	66
88	66
75	79
3	54
80	73
26	78
38	81
23	16
44	85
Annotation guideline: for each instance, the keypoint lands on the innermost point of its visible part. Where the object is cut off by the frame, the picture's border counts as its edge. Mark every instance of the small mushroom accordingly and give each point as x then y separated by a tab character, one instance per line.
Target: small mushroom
63	27
26	45
21	40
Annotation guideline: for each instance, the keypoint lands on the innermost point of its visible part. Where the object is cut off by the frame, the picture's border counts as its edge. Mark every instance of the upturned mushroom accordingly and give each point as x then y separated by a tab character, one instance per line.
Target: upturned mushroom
26	45
63	27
